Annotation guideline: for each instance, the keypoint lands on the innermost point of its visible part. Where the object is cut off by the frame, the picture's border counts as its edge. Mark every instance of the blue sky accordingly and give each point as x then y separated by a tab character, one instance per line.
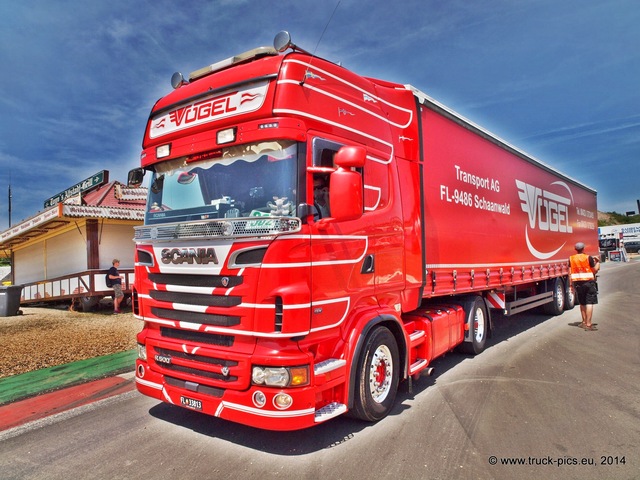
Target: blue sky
560	79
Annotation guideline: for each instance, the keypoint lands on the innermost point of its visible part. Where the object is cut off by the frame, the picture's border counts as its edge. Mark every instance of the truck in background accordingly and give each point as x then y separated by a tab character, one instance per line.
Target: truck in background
259	310
617	240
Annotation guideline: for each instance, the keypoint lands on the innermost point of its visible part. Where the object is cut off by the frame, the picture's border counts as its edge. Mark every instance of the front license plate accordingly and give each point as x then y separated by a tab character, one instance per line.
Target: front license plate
191	403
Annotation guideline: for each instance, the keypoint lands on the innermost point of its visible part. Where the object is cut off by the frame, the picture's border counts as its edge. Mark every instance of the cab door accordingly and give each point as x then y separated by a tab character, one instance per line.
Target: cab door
339	246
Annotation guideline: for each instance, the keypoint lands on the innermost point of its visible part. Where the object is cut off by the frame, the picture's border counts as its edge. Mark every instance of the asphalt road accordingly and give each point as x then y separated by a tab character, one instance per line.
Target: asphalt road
545	400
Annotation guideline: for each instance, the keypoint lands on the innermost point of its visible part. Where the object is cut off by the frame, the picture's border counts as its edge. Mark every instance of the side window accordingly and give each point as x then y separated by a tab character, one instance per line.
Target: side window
323	152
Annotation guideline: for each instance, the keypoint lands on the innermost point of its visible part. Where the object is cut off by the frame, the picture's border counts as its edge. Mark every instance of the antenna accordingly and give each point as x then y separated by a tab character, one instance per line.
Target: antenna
325	28
318	44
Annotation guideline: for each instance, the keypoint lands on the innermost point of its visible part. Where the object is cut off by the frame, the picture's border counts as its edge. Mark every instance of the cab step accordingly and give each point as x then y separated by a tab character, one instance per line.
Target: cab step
417	366
330	411
329	365
417	338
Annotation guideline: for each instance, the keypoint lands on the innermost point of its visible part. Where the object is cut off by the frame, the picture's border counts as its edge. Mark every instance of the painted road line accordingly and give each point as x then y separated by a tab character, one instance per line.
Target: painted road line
30	384
41	406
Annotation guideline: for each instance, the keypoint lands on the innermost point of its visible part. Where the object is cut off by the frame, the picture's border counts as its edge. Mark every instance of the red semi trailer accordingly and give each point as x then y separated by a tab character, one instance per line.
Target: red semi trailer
260	310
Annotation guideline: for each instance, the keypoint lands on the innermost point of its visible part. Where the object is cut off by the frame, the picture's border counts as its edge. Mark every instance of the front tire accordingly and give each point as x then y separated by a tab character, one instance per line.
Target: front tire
378	374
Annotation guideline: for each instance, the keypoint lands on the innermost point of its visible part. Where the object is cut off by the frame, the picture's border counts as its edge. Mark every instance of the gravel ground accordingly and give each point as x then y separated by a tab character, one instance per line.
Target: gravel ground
47	337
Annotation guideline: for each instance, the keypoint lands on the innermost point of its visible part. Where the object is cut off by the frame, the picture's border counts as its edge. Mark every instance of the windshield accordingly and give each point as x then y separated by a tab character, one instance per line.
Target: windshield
245	181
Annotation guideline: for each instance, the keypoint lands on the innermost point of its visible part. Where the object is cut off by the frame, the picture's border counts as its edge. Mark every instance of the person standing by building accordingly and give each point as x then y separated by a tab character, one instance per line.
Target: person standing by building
583	276
116	284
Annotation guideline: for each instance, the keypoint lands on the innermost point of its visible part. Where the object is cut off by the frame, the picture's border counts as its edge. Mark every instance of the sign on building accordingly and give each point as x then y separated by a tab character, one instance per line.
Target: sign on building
96	180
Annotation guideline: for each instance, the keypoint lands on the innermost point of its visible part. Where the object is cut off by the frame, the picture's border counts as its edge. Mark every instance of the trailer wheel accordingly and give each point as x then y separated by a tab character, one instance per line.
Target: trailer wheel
377	375
89	303
570	297
556	307
478	321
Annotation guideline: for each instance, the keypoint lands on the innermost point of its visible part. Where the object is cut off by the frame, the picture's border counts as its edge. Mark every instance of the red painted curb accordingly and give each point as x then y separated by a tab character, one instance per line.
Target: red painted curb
25	411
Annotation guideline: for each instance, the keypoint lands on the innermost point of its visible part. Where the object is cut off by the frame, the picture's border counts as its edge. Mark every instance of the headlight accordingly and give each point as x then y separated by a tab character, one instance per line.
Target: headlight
142	352
280	376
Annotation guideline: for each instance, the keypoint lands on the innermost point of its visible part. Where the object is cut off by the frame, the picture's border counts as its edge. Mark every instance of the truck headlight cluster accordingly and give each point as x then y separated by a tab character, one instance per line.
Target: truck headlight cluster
280	376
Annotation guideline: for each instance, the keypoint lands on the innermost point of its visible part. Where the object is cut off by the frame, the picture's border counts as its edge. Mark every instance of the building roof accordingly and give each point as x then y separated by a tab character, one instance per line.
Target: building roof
112	200
115	194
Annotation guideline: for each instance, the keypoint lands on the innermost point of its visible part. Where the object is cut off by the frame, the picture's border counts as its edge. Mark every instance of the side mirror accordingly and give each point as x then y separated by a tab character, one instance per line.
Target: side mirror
346	192
350	157
135	177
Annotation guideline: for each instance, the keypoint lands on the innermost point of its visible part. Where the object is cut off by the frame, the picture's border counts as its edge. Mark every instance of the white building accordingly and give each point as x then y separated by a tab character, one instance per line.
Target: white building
64	252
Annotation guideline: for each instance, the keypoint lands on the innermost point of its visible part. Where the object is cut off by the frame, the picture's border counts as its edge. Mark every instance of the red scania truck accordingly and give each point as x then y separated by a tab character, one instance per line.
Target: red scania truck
314	237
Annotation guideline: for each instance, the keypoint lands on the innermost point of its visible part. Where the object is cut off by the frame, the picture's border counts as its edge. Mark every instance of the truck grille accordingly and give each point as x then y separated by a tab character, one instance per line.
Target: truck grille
196	358
195	299
195	317
199	337
176	382
170	297
197	367
212	281
199	373
177	354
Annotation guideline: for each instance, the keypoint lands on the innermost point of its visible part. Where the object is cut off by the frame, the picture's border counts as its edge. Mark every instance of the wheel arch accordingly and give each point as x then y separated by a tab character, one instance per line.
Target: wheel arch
358	339
466	303
470	344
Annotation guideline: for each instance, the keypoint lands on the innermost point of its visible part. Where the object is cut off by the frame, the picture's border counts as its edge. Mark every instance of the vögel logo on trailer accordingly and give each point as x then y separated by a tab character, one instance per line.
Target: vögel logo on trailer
547	212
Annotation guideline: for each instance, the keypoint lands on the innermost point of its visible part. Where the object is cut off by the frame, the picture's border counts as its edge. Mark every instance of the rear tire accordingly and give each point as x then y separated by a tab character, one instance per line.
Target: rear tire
556	307
478	321
378	374
570	297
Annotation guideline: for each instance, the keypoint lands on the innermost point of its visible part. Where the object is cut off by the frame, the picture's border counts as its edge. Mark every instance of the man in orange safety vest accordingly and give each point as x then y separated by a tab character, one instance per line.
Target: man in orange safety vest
583	277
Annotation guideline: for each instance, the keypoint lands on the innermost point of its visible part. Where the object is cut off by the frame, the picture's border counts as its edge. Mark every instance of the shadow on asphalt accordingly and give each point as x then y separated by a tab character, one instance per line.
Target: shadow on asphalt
339	430
299	442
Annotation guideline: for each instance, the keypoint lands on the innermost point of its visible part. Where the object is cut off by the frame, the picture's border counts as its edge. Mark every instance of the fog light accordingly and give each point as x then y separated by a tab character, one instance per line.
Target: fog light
140	371
259	399
282	401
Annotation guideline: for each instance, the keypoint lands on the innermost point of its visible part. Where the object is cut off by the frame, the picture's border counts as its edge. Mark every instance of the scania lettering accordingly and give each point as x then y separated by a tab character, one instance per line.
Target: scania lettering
314	238
162	359
188	255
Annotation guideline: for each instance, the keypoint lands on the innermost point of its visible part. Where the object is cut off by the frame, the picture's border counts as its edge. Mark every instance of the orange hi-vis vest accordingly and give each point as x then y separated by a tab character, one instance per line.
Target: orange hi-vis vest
580	268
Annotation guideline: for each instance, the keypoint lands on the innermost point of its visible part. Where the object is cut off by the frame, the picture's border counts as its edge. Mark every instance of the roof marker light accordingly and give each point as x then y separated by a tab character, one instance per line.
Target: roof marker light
227	135
163	151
